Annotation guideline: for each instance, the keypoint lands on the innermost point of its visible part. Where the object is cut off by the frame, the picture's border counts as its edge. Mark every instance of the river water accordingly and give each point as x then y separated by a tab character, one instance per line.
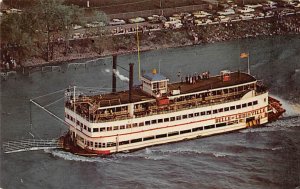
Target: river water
265	157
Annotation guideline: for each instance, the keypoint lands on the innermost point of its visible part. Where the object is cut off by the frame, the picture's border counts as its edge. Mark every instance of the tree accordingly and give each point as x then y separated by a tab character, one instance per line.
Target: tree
15	37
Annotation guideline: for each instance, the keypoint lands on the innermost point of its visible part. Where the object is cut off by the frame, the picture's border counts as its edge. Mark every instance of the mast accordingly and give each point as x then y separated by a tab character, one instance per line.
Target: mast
248	62
138	48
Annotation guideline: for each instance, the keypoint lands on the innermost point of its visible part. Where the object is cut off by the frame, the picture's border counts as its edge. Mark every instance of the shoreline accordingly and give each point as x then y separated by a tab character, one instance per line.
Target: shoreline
166	39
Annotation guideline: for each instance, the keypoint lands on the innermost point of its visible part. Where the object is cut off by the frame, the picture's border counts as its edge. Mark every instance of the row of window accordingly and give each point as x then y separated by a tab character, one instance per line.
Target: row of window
174	133
162	120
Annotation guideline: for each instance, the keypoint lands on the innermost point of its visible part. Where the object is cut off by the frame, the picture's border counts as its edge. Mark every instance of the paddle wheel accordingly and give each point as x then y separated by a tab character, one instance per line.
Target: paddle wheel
275	109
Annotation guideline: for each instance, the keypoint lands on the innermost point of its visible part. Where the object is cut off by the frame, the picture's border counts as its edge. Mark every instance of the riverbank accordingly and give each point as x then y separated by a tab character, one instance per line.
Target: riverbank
85	49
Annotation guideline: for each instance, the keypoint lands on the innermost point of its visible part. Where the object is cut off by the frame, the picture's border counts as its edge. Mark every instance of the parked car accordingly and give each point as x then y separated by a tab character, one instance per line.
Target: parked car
201	14
245	10
226	12
116	21
253	6
247	16
224	19
76	27
136	20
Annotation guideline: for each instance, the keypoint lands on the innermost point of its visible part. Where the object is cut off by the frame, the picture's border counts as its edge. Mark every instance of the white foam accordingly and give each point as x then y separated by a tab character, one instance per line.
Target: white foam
72	157
292	109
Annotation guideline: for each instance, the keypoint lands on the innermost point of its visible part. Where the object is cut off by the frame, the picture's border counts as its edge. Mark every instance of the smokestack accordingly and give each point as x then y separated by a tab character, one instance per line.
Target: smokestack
130	81
114	79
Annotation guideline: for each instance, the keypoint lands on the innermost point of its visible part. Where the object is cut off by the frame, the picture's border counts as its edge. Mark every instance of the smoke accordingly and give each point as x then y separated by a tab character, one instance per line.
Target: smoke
120	76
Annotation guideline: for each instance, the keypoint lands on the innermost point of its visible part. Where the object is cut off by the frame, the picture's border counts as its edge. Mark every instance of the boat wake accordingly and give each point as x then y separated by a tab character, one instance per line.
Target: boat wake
190	152
72	157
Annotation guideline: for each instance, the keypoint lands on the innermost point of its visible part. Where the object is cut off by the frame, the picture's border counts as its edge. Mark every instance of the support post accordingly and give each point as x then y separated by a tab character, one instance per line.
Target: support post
130	81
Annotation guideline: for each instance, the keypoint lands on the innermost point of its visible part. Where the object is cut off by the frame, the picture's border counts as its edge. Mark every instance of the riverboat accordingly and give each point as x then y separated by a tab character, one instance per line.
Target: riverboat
158	112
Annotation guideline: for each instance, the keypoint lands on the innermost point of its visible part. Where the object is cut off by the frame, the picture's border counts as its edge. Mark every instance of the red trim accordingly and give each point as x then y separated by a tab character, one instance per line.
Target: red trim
170	125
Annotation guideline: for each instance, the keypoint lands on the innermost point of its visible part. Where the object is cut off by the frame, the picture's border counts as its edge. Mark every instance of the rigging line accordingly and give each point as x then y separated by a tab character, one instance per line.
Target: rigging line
94	88
52	114
54	102
48	94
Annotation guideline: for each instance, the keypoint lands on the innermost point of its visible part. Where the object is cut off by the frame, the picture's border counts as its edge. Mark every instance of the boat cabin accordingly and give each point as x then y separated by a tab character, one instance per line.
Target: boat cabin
154	84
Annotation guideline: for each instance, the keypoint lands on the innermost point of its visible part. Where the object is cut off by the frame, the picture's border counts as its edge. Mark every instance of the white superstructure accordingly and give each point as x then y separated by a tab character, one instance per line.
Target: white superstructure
200	106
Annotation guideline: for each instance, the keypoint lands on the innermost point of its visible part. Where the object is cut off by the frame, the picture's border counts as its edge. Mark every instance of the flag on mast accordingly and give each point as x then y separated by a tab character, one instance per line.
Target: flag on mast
244	55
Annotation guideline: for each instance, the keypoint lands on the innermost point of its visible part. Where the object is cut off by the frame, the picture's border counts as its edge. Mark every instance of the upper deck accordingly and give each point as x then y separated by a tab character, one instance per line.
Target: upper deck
155	96
122	97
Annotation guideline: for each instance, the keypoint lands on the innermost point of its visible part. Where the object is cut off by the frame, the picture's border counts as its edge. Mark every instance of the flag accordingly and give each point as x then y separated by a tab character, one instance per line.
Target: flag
244	55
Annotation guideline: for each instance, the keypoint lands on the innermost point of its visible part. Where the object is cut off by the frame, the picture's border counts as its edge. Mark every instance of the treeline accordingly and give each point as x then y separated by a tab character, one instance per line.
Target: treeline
37	29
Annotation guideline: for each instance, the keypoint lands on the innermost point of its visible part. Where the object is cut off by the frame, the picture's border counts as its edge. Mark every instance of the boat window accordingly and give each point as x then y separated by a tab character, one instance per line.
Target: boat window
154	121
184	116
238	106
166	120
136	140
172	118
160	120
95	130
244	105
197	114
209	126
185	131
208	112
134	125
161	136
232	107
122	127
102	129
111	144
89	129
215	111
141	124
255	102
148	138
225	91
178	117
197	129
173	133
147	122
116	128
191	115
124	142
249	103
226	109
221	125
128	126
220	110
202	113
84	127
109	128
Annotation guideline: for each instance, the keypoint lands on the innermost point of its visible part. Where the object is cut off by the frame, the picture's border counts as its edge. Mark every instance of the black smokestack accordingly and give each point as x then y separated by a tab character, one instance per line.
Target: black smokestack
114	79
130	81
